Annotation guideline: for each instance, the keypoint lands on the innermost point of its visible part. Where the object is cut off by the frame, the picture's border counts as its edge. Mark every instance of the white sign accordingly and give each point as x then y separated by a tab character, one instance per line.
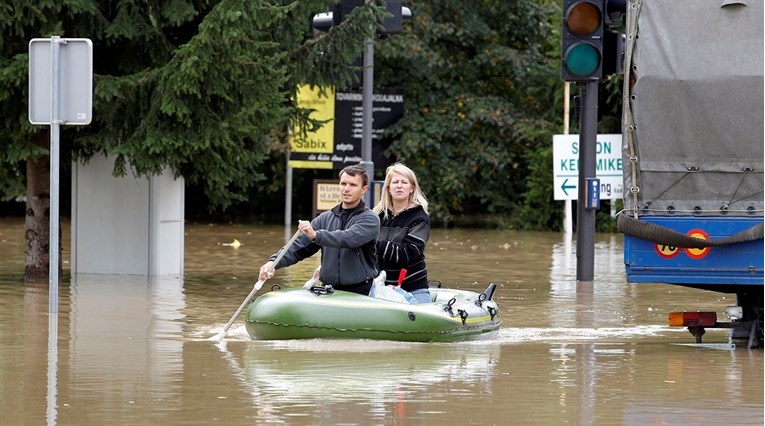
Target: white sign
608	166
75	76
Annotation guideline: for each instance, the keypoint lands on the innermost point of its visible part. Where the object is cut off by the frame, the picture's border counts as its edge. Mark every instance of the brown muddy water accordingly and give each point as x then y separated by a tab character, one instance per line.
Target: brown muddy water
131	350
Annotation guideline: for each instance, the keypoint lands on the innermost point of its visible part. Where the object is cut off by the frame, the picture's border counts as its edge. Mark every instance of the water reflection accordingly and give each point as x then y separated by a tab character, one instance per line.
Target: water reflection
675	379
384	377
52	394
124	342
575	304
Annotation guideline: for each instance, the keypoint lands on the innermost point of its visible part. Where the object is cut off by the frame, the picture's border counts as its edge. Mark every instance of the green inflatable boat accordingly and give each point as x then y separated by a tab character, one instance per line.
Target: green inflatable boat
322	312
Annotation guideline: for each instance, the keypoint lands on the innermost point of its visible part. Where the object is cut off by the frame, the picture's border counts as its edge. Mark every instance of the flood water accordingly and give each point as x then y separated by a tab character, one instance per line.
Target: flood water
130	350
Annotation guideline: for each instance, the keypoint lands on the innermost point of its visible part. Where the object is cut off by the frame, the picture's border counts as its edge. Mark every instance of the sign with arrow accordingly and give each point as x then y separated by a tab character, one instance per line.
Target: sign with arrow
608	166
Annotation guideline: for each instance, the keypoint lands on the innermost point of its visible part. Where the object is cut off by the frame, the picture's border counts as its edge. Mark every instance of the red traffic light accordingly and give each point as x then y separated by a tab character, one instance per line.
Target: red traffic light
583	18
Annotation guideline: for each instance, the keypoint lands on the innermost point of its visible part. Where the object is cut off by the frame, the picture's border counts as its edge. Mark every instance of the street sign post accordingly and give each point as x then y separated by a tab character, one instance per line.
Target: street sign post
60	92
608	166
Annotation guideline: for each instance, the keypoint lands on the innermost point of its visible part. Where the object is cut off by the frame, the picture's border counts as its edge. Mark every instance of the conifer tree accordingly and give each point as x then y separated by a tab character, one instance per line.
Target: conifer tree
194	85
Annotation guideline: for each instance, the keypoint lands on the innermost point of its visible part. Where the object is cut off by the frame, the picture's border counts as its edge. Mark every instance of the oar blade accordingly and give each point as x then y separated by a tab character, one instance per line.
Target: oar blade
218	337
258	285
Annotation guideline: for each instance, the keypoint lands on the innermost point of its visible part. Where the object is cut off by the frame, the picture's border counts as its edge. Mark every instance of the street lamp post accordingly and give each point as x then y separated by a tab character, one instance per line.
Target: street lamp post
392	25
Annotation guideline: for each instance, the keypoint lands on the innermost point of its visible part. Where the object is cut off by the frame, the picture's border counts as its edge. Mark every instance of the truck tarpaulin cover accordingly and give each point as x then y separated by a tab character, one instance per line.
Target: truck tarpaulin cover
693	137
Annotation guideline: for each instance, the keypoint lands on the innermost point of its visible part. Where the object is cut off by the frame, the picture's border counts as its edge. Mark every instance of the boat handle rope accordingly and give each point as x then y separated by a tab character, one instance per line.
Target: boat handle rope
492	312
463	315
449	304
481	298
319	290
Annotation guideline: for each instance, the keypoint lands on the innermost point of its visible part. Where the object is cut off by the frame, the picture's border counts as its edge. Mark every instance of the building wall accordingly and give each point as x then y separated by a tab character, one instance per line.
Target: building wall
125	225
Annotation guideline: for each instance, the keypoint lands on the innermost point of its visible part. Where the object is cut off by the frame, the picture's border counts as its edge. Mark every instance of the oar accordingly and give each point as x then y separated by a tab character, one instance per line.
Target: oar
257	287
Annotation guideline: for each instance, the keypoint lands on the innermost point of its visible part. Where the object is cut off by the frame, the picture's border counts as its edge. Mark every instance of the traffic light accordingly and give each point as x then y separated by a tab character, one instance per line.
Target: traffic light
325	21
590	50
391	24
582	47
613	53
343	9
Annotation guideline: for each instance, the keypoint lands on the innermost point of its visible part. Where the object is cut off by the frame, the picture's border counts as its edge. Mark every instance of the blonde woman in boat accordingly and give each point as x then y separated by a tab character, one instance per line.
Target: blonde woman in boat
404	232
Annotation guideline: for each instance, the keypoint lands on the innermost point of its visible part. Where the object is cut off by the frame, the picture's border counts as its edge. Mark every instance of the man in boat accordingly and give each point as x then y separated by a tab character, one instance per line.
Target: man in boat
346	235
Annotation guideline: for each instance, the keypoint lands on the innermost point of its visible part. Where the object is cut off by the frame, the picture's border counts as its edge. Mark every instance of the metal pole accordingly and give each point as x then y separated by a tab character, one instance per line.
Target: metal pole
567	213
288	195
366	105
585	218
54	162
53	235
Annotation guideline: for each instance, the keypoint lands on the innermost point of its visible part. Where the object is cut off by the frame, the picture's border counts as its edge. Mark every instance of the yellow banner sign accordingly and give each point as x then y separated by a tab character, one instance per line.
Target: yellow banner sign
315	146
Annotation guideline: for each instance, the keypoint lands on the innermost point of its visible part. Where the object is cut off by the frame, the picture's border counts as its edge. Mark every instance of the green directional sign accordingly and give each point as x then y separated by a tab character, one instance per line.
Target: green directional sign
608	167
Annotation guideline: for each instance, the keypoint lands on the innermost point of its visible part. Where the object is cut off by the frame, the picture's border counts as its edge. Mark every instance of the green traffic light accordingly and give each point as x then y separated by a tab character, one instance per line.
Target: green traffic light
582	59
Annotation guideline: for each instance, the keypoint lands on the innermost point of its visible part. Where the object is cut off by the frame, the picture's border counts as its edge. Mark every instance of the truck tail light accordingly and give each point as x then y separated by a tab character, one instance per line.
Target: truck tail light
692	319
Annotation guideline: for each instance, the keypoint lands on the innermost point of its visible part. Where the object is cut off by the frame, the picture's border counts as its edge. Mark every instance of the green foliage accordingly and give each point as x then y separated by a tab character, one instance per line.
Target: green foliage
202	111
324	59
205	88
201	87
472	74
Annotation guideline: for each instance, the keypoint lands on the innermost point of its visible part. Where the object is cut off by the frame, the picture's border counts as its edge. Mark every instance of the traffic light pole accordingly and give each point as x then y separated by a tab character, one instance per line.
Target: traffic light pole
589	54
585	217
366	118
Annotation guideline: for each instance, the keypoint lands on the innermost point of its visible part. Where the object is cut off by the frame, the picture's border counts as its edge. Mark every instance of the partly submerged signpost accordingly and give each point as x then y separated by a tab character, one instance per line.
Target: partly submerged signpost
60	92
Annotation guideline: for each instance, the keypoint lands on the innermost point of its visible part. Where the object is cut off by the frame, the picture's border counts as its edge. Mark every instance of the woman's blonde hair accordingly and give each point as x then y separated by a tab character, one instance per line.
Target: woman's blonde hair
386	201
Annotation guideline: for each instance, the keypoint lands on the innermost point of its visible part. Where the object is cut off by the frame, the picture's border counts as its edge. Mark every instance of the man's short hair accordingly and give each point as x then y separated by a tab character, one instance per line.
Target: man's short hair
356	170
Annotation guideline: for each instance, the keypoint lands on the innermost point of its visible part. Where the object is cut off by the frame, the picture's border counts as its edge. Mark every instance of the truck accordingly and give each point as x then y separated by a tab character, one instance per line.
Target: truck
692	151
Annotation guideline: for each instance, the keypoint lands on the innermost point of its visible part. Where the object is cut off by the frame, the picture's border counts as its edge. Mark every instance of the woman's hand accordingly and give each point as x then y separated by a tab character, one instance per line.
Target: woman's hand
266	271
